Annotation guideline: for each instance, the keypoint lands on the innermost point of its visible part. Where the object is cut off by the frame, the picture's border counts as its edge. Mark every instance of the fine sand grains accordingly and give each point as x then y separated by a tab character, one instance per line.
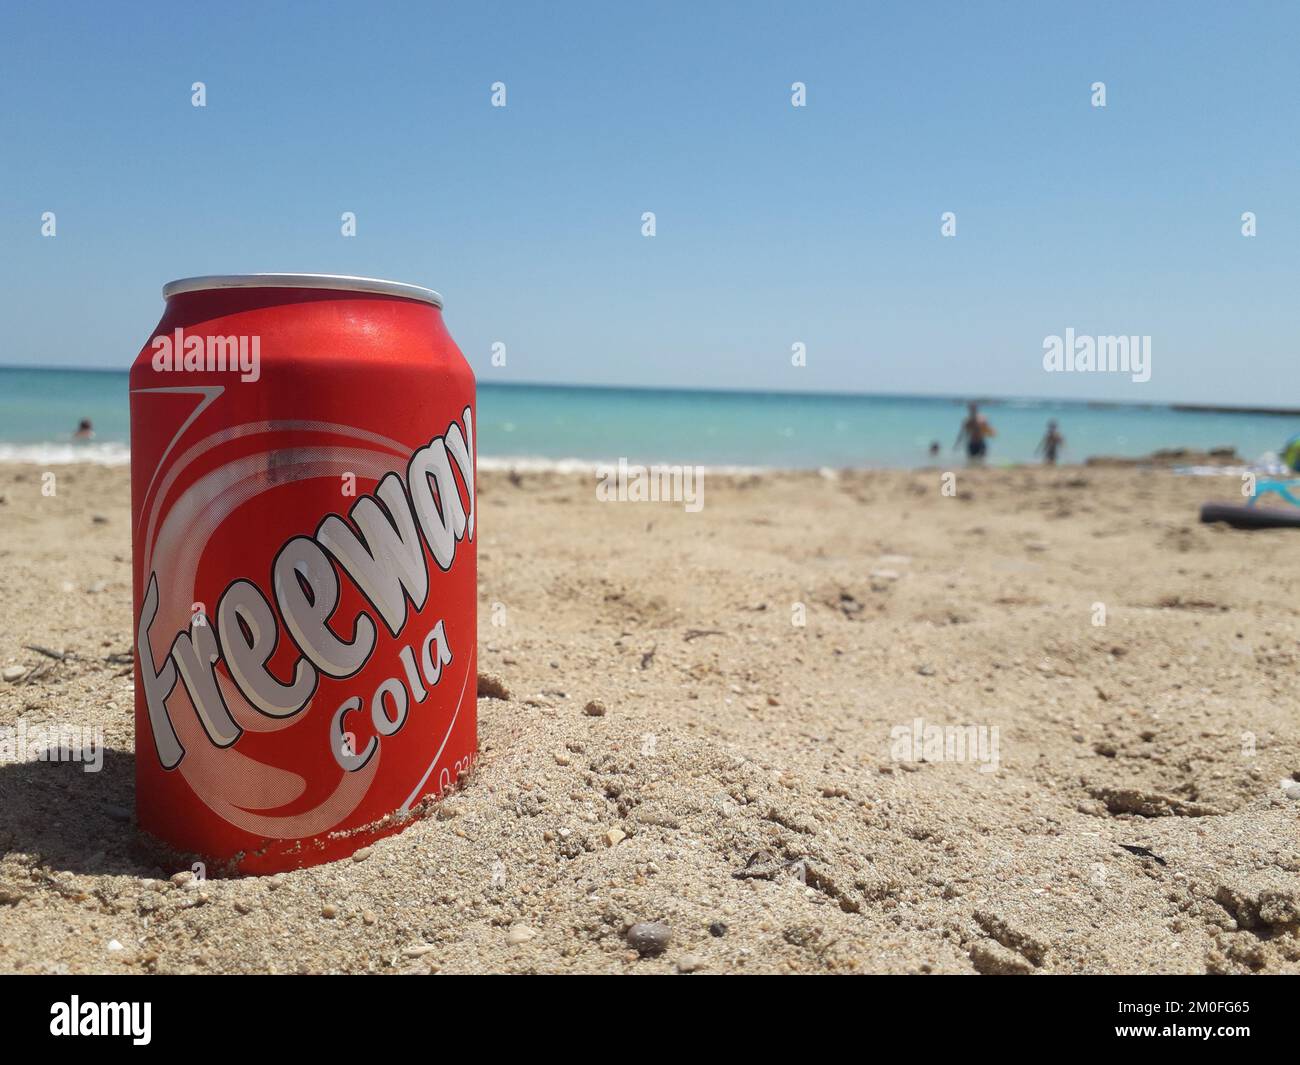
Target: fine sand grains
827	724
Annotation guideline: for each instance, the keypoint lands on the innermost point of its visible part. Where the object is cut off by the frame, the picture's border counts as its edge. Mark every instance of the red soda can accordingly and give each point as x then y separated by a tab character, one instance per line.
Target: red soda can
303	524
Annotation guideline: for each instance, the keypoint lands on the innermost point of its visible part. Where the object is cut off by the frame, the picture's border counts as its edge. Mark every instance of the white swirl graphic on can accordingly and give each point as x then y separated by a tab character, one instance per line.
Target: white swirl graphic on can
197	712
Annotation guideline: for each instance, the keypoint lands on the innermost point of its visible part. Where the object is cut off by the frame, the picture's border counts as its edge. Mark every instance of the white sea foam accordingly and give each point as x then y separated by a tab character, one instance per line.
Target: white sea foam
56	454
1269	464
532	464
592	467
117	454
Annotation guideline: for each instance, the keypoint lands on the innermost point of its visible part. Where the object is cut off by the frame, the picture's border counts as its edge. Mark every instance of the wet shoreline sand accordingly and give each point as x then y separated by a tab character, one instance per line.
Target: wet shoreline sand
745	771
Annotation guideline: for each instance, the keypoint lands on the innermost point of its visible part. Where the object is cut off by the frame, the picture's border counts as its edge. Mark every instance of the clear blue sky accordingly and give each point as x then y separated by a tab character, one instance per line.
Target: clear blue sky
775	224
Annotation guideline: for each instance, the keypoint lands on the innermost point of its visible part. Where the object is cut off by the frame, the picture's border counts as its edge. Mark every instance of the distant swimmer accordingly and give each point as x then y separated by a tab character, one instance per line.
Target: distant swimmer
976	431
934	449
85	431
1051	443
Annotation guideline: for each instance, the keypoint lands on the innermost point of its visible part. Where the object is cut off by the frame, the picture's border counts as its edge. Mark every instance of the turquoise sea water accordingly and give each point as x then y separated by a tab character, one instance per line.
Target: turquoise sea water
39	409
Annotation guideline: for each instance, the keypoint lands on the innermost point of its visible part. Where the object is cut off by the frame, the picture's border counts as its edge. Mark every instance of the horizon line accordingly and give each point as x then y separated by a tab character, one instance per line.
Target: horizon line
945	397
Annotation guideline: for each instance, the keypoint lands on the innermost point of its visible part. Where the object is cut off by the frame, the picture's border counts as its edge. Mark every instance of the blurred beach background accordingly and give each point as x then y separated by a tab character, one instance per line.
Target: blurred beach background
688	717
559	426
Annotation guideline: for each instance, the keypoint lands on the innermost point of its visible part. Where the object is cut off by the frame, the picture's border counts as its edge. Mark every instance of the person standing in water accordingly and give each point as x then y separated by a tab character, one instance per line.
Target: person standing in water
1051	443
85	431
975	430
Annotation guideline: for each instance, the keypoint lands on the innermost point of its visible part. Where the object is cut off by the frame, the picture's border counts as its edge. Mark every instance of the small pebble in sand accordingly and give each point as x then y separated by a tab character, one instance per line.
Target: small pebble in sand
614	837
562	759
925	671
689	963
649	937
276	881
114	945
117	813
13	673
329	911
717	930
520	934
490	686
595	708
361	855
1291	789
419	950
368	917
99	519
182	878
243	907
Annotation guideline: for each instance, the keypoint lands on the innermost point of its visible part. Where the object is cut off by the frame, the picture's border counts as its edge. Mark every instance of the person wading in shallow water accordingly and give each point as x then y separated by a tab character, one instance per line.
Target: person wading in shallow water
976	432
1051	444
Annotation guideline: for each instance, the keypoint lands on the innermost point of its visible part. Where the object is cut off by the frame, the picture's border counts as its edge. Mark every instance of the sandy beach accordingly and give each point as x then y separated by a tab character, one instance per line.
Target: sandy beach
708	723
